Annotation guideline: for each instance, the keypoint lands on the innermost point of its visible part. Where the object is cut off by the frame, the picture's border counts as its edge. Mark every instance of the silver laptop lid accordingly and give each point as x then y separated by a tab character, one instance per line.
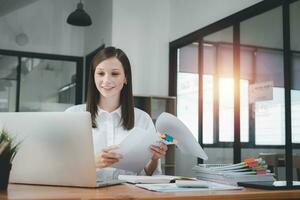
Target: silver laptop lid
57	148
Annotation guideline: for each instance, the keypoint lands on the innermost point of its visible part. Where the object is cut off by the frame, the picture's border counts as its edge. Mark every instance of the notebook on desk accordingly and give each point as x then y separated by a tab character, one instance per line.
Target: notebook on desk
56	149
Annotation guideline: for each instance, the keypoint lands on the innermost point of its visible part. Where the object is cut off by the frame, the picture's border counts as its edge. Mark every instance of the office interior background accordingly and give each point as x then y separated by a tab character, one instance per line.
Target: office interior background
43	64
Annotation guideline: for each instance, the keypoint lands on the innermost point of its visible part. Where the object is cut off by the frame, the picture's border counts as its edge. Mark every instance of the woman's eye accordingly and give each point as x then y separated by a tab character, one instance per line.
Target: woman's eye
115	74
101	73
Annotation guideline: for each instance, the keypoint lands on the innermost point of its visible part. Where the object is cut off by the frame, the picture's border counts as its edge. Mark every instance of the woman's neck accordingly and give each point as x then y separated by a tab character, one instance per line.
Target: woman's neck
109	104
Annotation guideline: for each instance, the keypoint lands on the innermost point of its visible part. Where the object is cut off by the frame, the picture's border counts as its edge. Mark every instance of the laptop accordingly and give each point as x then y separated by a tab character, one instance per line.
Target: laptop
56	149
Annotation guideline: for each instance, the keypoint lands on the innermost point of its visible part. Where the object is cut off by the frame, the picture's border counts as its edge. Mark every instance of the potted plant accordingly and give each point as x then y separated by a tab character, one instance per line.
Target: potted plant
8	150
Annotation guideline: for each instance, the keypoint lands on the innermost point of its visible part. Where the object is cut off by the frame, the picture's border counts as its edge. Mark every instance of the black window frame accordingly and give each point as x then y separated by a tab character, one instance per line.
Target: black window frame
234	21
77	59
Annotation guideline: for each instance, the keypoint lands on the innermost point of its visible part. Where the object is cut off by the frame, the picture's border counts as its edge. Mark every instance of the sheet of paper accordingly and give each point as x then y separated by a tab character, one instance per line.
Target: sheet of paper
147	179
186	142
135	150
283	183
261	91
171	187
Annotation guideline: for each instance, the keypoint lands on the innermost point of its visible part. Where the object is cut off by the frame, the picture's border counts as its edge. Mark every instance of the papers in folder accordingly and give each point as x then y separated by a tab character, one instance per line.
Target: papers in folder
229	174
173	187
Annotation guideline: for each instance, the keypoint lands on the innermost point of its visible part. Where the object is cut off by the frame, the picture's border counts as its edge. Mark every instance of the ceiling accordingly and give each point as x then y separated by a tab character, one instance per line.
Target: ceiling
7	6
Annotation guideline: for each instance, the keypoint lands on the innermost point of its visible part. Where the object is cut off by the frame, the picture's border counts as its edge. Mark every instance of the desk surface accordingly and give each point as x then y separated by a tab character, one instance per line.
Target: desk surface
127	191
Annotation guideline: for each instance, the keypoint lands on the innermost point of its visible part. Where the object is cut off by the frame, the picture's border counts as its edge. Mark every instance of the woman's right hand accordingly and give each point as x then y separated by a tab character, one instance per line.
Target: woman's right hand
107	157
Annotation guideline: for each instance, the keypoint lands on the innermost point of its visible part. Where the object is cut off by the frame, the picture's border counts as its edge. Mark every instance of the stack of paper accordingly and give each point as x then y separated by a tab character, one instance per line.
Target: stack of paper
172	187
249	170
152	179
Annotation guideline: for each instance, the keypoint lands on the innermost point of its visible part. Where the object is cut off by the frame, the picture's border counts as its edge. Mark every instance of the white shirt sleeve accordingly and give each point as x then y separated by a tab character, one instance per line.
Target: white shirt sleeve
149	126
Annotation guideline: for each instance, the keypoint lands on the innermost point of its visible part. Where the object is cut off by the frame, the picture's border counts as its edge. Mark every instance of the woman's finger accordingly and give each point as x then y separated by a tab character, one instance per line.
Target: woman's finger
110	148
163	146
108	163
158	150
111	155
110	160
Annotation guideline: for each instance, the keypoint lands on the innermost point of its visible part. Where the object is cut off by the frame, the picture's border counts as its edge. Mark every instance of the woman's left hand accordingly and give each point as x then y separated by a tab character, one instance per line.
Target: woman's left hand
158	151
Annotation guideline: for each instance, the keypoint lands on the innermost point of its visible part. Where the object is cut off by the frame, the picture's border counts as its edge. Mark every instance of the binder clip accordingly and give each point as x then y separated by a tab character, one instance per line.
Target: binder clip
167	139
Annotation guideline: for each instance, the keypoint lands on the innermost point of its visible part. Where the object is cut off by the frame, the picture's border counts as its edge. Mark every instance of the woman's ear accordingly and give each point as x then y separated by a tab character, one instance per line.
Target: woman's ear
125	82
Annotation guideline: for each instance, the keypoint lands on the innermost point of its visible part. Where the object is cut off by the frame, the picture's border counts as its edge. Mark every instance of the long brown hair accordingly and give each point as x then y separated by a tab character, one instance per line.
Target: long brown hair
126	97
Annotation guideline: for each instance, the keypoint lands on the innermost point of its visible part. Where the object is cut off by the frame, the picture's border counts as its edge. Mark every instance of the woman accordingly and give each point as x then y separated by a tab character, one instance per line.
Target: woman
110	102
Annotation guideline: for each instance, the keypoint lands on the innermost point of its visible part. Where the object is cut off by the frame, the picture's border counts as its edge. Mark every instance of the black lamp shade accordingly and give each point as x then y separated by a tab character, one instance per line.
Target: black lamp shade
79	17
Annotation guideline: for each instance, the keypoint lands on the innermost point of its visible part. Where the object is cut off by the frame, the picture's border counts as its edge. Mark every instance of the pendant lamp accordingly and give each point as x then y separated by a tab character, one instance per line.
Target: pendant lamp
79	17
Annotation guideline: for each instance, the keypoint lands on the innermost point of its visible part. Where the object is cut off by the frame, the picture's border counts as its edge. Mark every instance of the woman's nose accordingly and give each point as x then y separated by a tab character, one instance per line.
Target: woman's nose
106	78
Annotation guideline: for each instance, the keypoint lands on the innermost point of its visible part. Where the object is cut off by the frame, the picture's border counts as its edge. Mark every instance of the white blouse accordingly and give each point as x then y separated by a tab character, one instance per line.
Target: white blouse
109	131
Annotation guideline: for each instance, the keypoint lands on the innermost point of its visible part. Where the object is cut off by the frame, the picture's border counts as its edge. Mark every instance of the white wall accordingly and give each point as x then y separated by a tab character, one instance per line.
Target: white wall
141	29
101	30
45	24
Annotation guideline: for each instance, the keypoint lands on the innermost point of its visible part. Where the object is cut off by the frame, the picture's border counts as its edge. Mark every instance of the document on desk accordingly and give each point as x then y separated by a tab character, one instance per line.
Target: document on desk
135	150
152	179
172	187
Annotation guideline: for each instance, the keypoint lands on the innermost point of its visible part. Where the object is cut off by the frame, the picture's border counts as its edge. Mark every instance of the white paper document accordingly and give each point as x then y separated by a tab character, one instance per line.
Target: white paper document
135	150
186	142
172	187
152	179
146	179
261	91
283	183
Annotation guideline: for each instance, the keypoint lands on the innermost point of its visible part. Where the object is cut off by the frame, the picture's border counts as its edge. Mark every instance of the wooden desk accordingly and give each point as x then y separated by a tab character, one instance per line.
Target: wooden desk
127	191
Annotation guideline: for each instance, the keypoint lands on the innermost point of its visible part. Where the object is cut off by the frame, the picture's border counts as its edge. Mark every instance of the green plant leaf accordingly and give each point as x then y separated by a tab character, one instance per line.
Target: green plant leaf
10	149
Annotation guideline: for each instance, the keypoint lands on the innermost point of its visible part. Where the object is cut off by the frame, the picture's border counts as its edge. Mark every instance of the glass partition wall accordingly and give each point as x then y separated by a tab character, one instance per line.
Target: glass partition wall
218	93
295	49
33	82
295	83
8	83
232	85
187	97
262	65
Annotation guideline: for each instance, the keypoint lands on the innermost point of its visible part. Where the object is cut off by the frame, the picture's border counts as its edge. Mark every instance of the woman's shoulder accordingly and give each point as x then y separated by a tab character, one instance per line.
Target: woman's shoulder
140	114
143	119
77	108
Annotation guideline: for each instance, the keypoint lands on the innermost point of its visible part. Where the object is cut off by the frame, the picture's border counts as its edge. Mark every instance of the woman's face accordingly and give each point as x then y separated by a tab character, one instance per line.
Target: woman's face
110	77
